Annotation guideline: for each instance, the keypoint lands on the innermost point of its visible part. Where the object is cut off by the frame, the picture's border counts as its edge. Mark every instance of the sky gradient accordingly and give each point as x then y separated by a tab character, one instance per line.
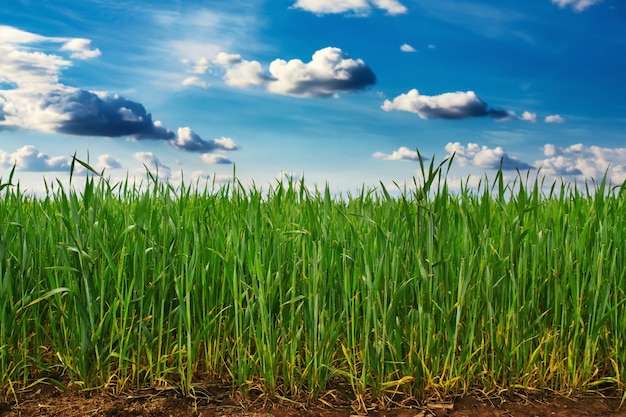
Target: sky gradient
340	92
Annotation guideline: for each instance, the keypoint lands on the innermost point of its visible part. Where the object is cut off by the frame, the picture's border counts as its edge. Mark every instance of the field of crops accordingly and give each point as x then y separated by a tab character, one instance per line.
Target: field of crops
290	291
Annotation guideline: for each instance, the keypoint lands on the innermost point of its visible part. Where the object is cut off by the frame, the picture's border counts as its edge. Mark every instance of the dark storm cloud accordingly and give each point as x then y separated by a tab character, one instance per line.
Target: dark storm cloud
89	114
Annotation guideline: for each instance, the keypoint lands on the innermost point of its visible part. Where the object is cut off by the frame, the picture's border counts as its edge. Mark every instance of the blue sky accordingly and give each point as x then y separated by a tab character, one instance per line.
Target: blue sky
341	92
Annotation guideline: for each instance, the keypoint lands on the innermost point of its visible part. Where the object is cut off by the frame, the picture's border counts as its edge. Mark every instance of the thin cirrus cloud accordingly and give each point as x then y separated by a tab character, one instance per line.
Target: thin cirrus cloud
35	99
195	81
456	105
401	154
330	72
577	5
484	157
356	7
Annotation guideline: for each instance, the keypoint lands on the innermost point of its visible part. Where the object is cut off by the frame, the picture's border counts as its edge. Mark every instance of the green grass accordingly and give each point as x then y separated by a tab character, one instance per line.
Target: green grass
290	290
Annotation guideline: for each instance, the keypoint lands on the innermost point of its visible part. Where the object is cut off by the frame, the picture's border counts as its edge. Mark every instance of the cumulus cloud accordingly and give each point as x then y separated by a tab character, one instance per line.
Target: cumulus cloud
584	161
85	113
330	72
187	140
407	48
226	144
358	7
484	157
37	100
402	154
201	66
28	158
577	5
40	102
81	49
215	158
528	116
153	164
245	74
457	105
554	118
106	161
226	59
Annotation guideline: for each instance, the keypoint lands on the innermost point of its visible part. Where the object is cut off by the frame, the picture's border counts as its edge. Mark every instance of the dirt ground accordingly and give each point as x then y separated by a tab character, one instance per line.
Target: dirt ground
49	401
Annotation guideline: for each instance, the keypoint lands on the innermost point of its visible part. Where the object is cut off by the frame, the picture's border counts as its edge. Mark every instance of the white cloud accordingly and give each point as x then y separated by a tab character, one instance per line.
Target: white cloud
393	7
457	105
10	35
81	49
187	140
226	143
215	158
41	102
329	72
28	158
37	100
402	154
358	7
200	66
484	157
528	116
153	164
106	161
584	162
226	59
245	74
577	5
195	81
554	118
407	48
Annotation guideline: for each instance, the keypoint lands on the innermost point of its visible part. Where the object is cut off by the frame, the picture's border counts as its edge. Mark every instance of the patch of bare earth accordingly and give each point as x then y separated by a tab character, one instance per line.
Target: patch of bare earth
49	401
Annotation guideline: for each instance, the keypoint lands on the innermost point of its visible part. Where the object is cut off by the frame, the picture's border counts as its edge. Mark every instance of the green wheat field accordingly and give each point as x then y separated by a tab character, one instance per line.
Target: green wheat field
290	291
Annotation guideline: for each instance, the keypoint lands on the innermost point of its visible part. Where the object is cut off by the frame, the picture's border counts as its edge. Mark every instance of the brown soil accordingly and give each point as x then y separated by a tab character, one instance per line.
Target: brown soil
48	401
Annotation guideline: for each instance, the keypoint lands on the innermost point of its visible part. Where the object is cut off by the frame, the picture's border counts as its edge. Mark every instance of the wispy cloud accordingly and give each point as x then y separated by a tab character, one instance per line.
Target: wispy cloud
407	48
577	5
330	72
356	7
457	105
195	81
488	20
401	154
484	157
